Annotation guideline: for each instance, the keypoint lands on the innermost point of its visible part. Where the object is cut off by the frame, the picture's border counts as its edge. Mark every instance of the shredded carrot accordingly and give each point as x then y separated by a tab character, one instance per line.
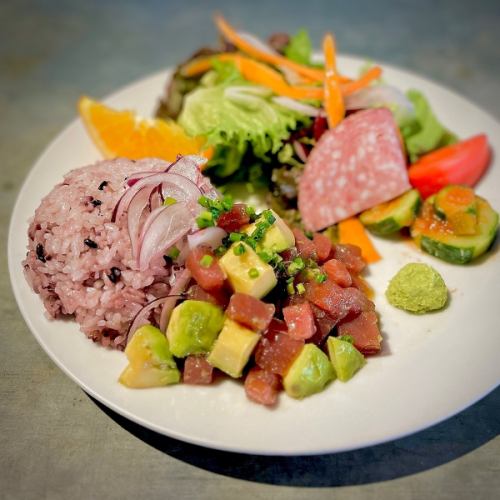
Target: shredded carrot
364	81
232	36
353	232
333	100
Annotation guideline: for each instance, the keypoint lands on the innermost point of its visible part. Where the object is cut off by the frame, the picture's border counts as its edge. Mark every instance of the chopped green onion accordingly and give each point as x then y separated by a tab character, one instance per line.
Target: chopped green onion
174	253
290	289
206	261
265	256
320	278
301	288
253	273
205	219
296	265
227	203
239	249
169	201
250	210
204	201
235	237
269	217
220	251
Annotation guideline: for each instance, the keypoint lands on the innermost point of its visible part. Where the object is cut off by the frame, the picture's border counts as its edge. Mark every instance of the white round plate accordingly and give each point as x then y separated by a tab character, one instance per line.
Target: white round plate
431	367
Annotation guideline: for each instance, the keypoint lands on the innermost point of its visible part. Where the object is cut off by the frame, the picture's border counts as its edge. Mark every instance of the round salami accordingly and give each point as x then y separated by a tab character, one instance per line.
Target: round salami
355	166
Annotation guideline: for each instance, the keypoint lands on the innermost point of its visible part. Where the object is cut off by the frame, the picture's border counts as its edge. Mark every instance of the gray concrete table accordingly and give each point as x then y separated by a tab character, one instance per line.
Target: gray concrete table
56	442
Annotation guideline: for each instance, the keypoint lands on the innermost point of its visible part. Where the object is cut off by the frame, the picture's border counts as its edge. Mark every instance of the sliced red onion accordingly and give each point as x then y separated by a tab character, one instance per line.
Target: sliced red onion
135	210
300	151
170	224
137	176
385	96
147	223
210	236
189	166
177	186
141	318
298	106
156	198
178	287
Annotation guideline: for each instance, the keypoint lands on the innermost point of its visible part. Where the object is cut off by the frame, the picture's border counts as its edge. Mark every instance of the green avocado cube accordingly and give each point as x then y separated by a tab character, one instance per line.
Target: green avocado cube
193	327
309	373
277	238
345	358
151	363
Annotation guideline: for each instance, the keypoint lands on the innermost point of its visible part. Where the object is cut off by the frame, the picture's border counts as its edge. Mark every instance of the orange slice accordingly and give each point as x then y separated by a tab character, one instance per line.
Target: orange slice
123	133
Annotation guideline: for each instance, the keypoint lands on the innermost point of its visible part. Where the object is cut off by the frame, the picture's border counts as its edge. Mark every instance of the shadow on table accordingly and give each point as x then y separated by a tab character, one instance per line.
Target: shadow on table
429	448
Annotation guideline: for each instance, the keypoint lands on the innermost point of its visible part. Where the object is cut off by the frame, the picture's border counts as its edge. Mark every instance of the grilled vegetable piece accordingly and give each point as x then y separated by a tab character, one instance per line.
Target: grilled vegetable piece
436	236
391	216
457	204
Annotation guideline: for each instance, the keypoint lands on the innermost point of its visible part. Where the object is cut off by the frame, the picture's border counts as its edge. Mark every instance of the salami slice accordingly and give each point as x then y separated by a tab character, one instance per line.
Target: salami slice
355	166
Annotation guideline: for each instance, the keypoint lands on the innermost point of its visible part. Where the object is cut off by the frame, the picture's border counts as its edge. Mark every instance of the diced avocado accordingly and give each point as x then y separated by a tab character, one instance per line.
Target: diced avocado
233	348
393	215
345	358
457	205
193	327
436	237
239	265
151	363
277	238
309	373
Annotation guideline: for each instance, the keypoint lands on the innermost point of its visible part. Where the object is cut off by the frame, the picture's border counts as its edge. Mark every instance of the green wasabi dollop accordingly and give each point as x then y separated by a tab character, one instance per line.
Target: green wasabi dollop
417	288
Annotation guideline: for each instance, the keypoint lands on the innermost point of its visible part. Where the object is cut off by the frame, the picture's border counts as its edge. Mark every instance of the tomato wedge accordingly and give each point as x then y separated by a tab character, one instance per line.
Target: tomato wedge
462	163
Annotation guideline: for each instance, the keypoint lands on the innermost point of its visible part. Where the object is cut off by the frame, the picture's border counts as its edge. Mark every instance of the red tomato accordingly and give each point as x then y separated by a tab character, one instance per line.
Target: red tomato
250	311
209	277
300	321
234	219
197	371
323	246
337	272
365	332
461	163
305	247
262	386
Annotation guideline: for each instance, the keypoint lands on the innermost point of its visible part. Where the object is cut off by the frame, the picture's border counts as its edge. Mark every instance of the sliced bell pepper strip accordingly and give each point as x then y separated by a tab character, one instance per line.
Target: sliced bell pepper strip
461	163
353	232
333	101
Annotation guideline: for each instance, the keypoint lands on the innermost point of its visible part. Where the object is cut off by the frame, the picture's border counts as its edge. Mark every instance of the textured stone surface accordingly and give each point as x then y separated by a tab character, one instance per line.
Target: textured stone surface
57	443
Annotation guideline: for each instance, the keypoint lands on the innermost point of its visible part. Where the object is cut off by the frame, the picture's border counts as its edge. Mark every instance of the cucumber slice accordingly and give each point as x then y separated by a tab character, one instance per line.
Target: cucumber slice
436	236
393	215
457	205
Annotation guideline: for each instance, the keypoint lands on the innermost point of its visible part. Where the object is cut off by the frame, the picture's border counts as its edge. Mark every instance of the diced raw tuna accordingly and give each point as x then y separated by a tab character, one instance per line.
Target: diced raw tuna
299	319
276	350
361	284
323	246
250	311
354	166
365	332
197	371
351	256
262	386
234	219
324	325
337	272
338	302
217	297
305	247
209	277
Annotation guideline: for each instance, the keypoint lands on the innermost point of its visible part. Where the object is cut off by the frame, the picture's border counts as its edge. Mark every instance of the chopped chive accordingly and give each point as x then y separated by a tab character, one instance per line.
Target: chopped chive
227	203
320	278
205	219
235	237
265	256
290	289
239	249
268	216
204	201
220	251
206	261
250	210
301	288
169	201
174	253
253	273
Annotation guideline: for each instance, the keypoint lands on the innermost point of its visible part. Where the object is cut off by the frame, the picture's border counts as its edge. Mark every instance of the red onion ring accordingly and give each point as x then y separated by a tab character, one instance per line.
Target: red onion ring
210	236
135	210
179	286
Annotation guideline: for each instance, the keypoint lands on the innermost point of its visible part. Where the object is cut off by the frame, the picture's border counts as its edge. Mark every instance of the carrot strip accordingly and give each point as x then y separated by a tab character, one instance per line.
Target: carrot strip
232	36
333	100
364	81
353	232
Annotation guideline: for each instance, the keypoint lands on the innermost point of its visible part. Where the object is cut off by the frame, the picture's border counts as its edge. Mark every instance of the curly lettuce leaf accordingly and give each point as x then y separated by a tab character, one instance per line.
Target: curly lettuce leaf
300	48
425	133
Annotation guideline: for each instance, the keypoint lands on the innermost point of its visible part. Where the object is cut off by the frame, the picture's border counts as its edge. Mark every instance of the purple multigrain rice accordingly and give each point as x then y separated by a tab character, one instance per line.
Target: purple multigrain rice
76	281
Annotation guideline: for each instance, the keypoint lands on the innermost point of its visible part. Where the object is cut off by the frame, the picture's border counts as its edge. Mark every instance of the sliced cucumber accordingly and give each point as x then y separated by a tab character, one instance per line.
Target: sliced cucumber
393	215
457	205
436	236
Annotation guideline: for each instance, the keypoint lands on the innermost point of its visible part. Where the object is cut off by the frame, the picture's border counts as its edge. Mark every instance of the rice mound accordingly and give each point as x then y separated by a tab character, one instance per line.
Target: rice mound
71	276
